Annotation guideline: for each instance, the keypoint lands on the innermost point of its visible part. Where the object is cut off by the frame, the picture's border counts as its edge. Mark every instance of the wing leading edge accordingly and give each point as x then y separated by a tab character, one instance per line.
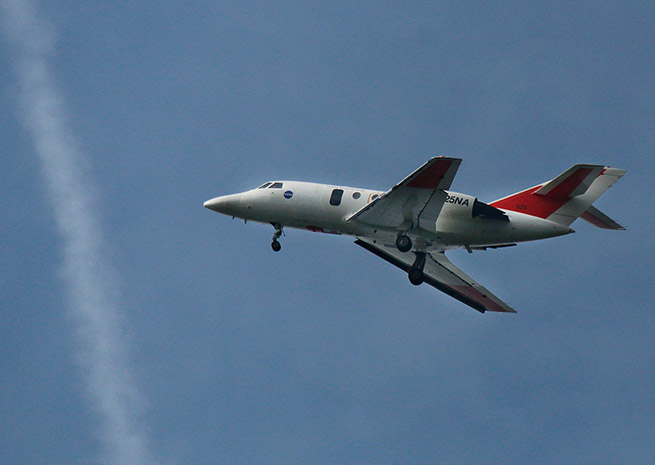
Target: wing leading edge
440	273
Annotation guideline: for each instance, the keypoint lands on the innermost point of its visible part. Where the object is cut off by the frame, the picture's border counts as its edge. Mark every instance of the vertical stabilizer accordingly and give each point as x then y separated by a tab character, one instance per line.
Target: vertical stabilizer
567	197
580	204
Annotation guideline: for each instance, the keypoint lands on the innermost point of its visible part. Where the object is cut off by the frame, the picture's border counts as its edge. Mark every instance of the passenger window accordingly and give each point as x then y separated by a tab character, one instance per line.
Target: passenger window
276	185
356	195
335	198
264	186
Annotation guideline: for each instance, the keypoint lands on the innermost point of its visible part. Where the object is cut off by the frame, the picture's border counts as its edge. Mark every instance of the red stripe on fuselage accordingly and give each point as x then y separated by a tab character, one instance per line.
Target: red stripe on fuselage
431	177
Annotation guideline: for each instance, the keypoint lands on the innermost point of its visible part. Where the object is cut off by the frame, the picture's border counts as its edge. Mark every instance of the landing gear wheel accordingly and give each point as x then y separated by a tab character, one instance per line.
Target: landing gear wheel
404	243
415	276
275	245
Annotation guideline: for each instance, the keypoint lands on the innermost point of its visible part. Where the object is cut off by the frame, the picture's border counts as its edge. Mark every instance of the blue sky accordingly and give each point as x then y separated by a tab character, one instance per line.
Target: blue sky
224	352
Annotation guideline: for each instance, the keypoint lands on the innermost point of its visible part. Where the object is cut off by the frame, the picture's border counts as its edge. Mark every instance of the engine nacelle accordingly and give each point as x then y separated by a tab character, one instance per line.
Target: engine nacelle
459	205
467	206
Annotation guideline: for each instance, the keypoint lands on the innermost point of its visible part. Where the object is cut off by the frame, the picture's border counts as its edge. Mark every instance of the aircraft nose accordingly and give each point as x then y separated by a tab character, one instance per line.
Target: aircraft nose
226	204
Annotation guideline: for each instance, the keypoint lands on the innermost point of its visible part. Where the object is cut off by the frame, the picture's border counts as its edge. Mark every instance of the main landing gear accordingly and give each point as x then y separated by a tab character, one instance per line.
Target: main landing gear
415	273
404	243
275	245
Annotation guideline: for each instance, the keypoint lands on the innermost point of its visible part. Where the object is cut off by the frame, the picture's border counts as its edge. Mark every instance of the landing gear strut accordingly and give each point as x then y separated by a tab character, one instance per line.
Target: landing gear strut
415	273
275	245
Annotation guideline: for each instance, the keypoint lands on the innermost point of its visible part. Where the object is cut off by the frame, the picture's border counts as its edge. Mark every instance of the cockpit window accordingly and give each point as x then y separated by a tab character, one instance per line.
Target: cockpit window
276	185
264	186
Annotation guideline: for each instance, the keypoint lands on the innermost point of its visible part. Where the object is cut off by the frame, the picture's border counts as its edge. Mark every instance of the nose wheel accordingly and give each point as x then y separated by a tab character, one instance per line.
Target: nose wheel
275	245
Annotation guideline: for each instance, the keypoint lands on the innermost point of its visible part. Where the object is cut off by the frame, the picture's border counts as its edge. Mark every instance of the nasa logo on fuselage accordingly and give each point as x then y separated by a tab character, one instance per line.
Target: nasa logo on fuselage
288	194
457	200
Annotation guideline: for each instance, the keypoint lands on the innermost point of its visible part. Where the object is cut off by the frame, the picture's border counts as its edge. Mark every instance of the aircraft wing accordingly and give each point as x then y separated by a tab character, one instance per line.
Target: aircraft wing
439	272
415	201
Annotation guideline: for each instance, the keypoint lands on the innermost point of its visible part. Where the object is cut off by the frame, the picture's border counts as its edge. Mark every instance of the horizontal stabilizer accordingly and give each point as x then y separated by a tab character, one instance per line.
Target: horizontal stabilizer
574	181
600	219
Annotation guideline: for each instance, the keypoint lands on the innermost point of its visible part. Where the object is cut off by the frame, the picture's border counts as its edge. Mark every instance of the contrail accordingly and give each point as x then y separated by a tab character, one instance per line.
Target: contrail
103	345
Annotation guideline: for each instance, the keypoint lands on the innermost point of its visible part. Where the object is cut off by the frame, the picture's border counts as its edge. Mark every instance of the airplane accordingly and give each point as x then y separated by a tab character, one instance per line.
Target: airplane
415	222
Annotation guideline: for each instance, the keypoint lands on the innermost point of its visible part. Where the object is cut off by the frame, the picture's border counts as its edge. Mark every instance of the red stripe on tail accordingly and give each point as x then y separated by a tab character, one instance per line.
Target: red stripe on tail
530	203
566	187
543	205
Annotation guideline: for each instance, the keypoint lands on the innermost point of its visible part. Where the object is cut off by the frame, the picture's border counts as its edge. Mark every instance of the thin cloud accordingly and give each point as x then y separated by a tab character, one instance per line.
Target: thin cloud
103	344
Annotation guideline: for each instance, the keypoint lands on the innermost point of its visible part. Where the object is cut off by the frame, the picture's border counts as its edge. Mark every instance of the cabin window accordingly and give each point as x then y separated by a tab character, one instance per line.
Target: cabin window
276	185
356	195
375	196
335	198
264	186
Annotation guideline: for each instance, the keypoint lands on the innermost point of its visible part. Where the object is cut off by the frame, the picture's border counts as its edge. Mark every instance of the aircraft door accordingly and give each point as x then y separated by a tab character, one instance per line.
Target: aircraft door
336	196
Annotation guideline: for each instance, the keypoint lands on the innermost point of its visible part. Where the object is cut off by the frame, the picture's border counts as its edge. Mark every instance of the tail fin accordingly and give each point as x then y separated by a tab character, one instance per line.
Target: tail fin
567	197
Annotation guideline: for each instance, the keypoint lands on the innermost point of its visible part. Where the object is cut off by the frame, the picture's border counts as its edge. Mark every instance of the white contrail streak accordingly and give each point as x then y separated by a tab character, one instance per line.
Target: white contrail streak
95	313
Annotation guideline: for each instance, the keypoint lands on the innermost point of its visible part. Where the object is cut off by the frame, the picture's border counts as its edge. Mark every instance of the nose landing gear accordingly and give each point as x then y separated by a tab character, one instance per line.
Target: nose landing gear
275	245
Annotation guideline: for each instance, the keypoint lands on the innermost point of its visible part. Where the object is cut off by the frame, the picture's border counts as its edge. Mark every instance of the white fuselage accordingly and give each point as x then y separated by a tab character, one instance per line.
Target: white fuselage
326	208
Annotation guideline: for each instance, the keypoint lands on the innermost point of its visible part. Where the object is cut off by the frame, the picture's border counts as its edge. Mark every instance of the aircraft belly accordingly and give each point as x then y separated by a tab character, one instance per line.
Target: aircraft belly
529	228
473	231
482	231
